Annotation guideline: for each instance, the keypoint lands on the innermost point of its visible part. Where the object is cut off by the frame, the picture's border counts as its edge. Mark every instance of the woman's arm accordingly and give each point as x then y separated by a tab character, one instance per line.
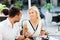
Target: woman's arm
41	31
25	31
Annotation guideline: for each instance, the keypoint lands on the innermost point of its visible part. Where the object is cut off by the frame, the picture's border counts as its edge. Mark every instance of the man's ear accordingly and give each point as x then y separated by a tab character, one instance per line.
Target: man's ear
16	16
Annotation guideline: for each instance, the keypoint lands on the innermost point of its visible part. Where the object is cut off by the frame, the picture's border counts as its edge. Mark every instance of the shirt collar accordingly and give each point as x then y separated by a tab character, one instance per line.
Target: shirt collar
8	22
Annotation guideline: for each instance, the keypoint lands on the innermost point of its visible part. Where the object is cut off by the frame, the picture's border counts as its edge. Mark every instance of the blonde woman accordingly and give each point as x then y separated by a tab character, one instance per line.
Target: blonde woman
33	26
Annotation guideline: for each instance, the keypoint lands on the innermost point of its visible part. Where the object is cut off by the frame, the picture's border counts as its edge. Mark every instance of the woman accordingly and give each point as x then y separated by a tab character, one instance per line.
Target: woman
5	12
33	26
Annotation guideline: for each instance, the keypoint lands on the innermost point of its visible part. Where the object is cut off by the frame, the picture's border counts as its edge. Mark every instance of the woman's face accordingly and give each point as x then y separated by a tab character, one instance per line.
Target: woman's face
32	14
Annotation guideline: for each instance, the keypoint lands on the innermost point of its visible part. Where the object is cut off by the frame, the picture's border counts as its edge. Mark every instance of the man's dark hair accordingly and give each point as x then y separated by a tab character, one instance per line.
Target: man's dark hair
5	11
14	11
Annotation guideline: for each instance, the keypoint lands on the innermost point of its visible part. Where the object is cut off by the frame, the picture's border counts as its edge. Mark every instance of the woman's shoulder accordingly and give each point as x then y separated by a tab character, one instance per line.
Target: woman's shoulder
25	21
41	22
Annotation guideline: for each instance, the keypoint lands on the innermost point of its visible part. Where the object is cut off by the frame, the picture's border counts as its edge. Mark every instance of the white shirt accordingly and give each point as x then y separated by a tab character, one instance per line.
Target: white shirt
30	29
7	32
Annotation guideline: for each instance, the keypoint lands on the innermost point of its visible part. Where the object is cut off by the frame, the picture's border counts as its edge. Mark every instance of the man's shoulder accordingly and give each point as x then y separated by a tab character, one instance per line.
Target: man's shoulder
3	23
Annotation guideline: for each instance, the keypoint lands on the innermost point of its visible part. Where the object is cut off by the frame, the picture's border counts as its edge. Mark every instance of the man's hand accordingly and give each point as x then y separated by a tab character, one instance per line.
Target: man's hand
21	37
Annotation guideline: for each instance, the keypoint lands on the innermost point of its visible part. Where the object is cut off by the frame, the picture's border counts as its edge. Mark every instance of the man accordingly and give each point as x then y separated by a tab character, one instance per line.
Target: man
8	29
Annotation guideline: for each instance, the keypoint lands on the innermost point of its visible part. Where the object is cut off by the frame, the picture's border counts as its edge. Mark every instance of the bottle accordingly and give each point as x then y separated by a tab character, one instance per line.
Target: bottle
27	39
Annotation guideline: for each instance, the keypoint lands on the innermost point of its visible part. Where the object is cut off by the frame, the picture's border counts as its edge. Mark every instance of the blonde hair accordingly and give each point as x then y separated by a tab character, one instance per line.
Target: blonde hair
37	11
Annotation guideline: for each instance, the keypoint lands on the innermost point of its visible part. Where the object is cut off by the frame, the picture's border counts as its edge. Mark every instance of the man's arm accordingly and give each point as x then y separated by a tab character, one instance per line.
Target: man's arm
18	36
0	36
21	37
1	33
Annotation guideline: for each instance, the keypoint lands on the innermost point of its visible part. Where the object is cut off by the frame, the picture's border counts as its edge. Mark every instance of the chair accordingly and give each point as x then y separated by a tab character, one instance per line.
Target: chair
57	19
2	18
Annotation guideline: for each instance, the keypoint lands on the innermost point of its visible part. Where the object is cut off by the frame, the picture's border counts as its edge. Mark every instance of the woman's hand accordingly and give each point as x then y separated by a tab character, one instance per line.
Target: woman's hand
25	31
28	34
42	33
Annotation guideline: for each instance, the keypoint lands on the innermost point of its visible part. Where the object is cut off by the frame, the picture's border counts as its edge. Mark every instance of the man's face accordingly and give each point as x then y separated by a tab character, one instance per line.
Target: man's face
18	17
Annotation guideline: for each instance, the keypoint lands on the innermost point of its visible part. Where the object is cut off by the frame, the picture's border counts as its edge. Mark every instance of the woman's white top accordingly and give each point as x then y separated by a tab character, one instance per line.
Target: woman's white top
30	29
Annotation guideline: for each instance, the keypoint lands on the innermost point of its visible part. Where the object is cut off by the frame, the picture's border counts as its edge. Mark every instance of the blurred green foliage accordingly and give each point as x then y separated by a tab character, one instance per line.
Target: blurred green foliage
1	7
19	4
